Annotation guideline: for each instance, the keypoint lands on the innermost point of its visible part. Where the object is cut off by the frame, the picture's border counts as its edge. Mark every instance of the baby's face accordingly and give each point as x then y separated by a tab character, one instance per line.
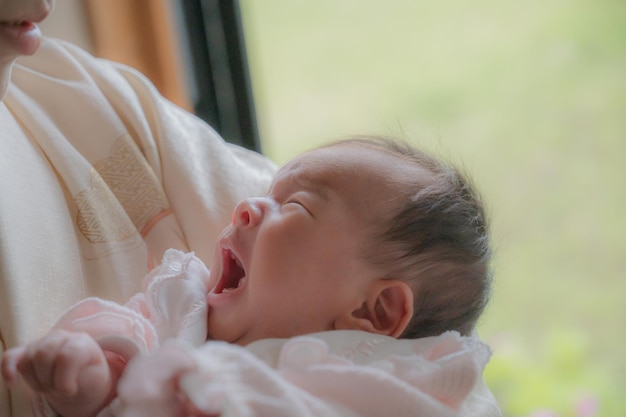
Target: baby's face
292	262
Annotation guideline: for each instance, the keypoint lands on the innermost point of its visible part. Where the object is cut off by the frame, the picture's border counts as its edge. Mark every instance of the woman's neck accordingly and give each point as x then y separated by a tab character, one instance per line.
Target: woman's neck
5	77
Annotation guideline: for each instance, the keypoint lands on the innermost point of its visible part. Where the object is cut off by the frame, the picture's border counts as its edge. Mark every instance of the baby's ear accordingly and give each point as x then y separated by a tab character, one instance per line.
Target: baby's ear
387	309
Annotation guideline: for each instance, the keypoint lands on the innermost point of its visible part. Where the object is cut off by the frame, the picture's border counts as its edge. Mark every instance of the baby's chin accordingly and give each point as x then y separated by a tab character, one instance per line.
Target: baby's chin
224	332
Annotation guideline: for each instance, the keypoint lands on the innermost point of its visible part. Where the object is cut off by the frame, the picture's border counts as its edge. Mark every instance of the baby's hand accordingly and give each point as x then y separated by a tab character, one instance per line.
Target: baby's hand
149	387
68	368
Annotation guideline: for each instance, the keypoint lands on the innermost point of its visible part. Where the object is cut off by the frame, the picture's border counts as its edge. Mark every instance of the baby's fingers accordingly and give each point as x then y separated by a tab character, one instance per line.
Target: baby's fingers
74	356
38	361
10	358
53	364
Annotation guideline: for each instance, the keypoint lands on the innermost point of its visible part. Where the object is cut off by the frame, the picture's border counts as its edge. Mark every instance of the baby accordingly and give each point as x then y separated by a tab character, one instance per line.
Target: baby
366	236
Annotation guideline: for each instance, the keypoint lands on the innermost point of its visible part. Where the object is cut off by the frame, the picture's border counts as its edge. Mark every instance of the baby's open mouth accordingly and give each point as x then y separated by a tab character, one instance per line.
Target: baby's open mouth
233	275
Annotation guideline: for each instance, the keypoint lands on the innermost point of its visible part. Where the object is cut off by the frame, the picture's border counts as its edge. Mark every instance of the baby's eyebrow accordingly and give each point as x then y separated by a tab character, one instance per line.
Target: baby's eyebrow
316	186
295	175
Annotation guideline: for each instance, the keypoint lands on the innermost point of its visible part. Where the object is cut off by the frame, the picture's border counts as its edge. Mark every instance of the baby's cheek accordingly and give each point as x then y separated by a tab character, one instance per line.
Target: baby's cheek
213	270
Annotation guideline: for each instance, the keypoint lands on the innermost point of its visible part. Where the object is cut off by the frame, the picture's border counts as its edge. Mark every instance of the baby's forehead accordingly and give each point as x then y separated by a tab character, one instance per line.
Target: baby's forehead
354	161
360	177
312	169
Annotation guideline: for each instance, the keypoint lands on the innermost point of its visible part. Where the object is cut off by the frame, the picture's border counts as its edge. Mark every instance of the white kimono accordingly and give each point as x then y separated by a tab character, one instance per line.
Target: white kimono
335	373
99	175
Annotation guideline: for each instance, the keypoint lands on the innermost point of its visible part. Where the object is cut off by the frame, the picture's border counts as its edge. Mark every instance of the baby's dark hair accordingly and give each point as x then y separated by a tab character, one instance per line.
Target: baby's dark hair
438	242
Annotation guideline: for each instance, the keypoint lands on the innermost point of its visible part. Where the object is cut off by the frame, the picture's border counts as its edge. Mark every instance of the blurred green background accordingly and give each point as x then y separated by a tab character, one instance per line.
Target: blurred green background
531	97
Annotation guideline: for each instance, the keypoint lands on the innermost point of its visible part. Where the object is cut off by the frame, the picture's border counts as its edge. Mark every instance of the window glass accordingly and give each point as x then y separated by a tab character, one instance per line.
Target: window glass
530	97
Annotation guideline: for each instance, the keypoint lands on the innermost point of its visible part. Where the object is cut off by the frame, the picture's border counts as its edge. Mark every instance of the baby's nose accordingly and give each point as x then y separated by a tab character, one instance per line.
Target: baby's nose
248	213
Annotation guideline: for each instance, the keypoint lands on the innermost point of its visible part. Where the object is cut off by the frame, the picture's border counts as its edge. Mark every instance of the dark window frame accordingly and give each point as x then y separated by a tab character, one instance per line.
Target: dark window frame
215	57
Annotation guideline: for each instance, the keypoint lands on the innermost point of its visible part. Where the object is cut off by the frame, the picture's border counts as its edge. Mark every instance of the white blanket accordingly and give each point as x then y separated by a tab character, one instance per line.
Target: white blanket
343	373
